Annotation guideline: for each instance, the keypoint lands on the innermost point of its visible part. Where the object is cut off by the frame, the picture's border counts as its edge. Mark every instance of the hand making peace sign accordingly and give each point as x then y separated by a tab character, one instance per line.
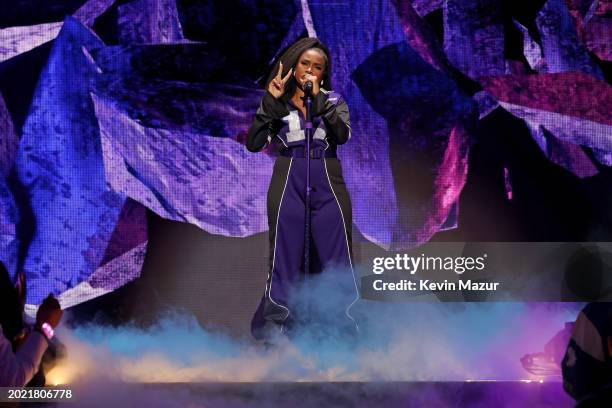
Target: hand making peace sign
277	86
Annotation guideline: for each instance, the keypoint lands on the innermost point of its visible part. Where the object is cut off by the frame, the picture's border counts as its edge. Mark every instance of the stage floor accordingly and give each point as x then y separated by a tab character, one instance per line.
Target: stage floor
474	394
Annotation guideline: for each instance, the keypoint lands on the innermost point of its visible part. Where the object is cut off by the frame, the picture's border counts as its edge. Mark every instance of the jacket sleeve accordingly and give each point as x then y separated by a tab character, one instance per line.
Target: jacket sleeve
267	122
16	370
334	115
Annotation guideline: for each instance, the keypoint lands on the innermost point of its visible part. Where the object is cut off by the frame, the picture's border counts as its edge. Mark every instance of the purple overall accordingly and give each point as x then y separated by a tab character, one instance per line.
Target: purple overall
279	121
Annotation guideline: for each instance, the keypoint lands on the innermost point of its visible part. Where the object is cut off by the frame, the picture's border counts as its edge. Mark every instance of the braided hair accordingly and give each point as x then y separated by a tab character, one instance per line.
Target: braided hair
290	58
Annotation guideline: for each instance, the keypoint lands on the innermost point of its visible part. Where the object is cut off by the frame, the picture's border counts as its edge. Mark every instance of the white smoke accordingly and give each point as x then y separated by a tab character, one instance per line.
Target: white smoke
397	342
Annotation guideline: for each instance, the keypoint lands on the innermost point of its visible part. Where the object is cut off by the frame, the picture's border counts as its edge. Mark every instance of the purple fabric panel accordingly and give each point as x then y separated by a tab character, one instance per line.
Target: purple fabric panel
365	157
8	139
569	94
130	231
149	22
603	156
579	8
486	103
593	24
571	157
126	250
449	180
598	30
211	182
571	106
195	129
414	225
91	10
17	40
9	217
564	153
176	98
424	7
532	50
108	277
9	213
60	164
121	269
474	36
420	36
398	81
562	49
390	74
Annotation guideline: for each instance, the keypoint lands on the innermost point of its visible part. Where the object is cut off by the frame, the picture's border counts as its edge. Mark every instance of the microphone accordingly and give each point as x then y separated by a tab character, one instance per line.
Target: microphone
308	87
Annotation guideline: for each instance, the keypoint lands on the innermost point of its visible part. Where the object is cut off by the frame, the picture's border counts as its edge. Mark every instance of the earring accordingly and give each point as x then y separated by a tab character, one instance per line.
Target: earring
321	82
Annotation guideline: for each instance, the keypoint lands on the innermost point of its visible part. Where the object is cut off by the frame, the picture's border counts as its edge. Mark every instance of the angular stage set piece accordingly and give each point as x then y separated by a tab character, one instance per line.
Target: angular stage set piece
60	164
151	118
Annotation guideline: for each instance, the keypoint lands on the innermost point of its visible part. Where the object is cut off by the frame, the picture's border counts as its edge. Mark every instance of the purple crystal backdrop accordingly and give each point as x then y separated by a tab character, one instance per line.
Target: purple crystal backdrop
125	106
59	161
473	120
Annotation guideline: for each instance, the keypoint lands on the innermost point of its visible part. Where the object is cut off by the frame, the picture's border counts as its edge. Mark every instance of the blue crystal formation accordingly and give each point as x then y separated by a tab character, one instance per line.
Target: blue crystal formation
199	177
158	122
8	139
366	157
149	22
60	164
562	49
91	10
9	213
17	40
174	143
390	81
474	36
9	218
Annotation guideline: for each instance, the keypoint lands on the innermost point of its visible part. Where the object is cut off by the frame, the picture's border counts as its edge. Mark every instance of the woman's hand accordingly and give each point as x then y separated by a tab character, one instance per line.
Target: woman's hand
277	85
315	83
49	312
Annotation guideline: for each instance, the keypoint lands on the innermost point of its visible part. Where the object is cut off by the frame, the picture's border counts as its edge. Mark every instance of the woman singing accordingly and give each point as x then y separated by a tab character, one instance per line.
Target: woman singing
280	119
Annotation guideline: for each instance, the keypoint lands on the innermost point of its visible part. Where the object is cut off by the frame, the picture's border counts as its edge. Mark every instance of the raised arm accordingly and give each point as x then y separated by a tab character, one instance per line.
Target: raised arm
268	121
17	369
335	114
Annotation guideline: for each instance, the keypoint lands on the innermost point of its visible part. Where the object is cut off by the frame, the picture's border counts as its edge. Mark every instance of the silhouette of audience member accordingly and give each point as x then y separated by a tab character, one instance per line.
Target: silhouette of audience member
587	365
20	354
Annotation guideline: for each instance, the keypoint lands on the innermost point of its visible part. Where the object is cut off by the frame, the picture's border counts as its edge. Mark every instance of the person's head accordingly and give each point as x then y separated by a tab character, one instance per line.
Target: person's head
11	308
313	61
307	55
